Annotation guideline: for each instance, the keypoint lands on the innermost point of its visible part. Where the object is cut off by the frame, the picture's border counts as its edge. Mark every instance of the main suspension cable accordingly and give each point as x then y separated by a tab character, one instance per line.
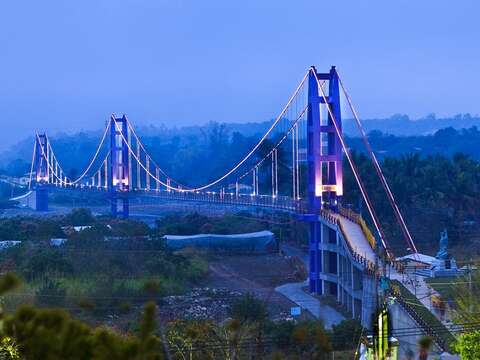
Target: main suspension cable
354	169
379	171
240	163
282	139
142	146
87	169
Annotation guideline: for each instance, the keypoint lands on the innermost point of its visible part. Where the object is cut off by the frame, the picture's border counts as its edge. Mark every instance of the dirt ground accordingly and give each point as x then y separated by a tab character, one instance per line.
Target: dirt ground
257	274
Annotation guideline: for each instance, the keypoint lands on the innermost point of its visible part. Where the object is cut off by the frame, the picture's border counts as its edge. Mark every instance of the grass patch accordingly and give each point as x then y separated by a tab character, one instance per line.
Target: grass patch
446	287
100	292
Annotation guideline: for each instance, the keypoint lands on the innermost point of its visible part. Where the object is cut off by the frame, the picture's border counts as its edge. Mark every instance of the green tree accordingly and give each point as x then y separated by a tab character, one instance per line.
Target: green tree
346	335
52	334
468	345
252	314
249	309
311	341
80	217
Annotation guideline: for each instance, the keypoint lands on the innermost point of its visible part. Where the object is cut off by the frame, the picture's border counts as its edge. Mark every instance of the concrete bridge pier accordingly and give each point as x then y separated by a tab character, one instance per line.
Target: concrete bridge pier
122	200
41	198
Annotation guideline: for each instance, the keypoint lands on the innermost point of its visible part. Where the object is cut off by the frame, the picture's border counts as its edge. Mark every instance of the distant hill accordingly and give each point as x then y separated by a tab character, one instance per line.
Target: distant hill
402	125
446	142
394	136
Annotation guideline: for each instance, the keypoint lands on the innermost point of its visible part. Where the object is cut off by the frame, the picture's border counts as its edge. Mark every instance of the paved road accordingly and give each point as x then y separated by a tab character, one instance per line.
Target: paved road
295	293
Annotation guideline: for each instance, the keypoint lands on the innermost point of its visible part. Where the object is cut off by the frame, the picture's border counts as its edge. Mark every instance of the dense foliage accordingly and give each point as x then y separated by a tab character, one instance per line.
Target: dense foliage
106	266
433	193
433	182
468	345
32	333
249	334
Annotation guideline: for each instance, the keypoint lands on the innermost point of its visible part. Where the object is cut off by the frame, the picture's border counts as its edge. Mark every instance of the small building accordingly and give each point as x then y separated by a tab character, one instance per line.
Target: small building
69	229
57	242
416	261
6	244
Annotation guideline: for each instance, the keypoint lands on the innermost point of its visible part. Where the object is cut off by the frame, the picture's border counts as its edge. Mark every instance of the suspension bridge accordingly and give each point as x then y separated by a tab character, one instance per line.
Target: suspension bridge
295	166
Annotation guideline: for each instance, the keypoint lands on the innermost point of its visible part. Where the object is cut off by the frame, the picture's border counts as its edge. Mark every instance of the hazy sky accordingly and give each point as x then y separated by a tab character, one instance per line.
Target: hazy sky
67	65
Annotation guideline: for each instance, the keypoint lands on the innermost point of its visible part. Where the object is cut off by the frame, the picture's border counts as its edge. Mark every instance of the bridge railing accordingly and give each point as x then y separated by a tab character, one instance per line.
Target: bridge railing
368	266
358	219
277	202
265	201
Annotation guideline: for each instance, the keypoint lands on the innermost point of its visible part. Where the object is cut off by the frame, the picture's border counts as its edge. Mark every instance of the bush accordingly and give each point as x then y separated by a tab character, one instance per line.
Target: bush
197	269
281	333
311	340
52	334
80	217
152	288
50	294
44	262
160	265
468	345
346	335
249	309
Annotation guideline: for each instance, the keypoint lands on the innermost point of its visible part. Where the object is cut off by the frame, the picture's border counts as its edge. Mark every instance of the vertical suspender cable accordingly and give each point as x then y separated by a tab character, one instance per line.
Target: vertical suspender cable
296	163
51	162
49	165
294	177
256	182
48	162
379	172
273	172
105	167
139	175
44	158
147	176
276	172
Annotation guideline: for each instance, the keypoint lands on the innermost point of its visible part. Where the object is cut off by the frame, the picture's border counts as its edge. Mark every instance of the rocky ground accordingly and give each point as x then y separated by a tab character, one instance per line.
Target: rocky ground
230	278
200	303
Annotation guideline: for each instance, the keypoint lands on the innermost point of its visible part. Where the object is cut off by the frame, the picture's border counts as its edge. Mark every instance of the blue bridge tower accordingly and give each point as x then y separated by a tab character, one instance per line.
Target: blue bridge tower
324	156
42	173
118	177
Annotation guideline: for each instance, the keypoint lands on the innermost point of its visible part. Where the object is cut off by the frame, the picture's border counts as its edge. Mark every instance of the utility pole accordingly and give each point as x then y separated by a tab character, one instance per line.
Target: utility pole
470	285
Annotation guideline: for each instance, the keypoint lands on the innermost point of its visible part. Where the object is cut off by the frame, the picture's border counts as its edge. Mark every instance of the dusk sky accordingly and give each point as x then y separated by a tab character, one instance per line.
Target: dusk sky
67	65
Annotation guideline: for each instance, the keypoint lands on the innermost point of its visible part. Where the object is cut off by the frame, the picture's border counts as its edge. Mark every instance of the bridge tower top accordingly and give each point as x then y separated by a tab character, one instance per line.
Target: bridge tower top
324	150
42	171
